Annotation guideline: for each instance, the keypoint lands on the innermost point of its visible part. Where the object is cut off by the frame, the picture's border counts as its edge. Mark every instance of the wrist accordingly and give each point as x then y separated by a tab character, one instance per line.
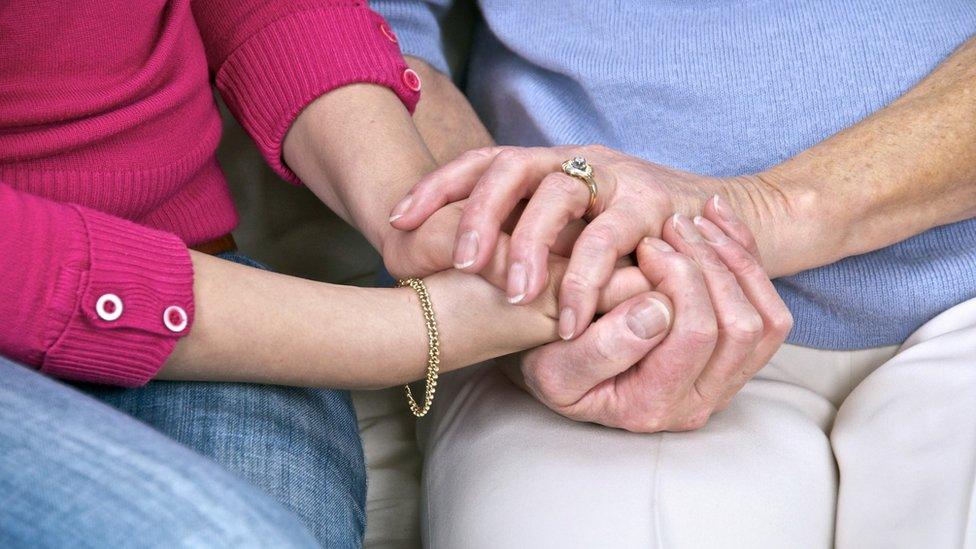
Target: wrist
476	322
792	225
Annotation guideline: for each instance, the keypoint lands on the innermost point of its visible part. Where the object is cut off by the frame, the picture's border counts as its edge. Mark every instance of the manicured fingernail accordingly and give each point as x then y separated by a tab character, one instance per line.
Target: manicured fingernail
518	281
713	235
567	323
466	251
401	208
685	228
723	210
648	318
658	244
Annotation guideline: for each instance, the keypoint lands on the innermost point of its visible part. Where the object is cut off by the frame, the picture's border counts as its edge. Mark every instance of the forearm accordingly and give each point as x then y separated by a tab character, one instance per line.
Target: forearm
357	149
256	326
908	168
444	117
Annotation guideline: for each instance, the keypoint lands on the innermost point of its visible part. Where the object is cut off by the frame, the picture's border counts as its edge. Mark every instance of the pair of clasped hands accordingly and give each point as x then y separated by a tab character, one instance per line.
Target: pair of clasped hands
684	312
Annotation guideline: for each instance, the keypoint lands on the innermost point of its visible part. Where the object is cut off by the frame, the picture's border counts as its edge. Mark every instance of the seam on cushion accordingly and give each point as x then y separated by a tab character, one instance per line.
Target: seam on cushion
655	501
969	533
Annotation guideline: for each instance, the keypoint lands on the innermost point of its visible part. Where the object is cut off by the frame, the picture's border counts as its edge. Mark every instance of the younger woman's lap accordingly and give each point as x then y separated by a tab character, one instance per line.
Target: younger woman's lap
76	472
299	446
219	464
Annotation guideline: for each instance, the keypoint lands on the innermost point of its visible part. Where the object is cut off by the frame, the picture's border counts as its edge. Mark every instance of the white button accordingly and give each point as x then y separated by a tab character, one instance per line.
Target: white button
109	307
174	317
411	79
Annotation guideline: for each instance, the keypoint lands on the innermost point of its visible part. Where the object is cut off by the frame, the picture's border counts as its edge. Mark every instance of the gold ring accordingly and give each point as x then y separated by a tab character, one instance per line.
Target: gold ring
580	169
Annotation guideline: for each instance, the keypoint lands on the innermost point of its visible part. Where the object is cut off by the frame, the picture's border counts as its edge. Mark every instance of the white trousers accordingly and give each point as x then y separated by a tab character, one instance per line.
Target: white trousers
858	449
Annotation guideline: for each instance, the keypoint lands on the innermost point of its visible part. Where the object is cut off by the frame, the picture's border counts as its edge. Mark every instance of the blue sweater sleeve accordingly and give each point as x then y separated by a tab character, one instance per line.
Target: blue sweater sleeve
418	27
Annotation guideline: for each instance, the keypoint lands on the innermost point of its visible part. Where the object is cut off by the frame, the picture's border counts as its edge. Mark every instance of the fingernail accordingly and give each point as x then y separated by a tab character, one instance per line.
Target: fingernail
401	208
567	323
466	251
723	209
518	281
648	318
658	244
685	228
712	234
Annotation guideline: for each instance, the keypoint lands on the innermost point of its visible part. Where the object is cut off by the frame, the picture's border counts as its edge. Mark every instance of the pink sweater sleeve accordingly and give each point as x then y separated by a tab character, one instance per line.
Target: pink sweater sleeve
83	294
271	58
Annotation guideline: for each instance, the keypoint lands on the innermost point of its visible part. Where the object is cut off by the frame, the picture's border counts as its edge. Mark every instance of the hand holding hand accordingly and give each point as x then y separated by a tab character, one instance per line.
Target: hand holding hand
627	371
635	199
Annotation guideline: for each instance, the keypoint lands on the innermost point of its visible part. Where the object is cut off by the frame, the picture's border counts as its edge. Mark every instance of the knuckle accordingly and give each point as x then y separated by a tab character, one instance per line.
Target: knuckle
541	379
477	154
744	329
575	283
597	149
709	262
748	241
474	208
648	423
742	262
521	247
723	404
745	264
605	347
700	333
600	237
681	265
704	398
781	322
562	185
697	420
513	155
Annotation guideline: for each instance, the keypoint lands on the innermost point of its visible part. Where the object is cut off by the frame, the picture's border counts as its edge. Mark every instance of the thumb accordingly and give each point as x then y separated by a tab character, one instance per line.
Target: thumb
561	373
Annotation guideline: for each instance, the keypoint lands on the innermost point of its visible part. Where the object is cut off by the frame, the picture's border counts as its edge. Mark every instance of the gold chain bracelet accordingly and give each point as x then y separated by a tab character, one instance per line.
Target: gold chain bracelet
433	347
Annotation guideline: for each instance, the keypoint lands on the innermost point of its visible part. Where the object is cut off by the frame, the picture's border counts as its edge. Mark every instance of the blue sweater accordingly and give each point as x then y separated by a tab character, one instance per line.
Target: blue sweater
724	87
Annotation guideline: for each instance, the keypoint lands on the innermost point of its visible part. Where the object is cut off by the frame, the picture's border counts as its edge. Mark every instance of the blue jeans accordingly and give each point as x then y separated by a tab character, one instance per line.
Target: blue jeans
177	464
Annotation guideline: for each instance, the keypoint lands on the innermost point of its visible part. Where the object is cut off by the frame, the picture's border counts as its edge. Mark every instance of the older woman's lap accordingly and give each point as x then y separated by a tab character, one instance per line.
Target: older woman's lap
503	471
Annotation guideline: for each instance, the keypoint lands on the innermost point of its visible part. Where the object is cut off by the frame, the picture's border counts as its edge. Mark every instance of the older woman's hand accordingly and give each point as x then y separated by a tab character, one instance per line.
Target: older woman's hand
626	371
635	199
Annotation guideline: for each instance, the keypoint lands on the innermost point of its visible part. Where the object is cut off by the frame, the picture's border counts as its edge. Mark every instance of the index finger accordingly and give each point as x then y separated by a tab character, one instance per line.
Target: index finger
610	236
458	178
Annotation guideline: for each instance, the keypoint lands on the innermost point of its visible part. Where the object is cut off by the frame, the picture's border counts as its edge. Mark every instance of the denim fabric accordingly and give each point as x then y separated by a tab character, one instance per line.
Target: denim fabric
300	446
76	472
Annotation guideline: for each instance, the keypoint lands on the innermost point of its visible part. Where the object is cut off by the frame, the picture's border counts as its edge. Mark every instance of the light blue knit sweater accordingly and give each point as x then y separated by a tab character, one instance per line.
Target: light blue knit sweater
725	87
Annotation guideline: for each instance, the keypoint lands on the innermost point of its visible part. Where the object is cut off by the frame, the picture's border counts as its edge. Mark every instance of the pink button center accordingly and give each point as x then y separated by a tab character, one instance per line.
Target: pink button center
411	79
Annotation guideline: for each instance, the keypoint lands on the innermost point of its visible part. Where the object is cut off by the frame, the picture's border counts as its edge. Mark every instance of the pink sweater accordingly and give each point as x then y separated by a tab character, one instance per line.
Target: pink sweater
108	129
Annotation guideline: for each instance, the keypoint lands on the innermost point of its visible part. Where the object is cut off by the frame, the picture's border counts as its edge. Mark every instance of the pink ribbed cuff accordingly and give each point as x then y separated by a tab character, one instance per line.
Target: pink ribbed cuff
268	80
148	271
